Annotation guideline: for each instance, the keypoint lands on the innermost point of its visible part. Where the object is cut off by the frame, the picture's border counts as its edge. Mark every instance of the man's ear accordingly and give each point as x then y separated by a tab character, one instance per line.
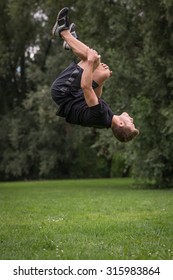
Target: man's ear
121	124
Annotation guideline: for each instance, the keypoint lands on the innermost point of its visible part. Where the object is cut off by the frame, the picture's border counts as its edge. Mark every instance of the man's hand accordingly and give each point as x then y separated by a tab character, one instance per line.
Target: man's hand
93	57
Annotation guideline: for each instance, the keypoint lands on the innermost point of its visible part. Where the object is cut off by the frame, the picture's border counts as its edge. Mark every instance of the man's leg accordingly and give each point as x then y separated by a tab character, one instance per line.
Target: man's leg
78	48
100	74
62	28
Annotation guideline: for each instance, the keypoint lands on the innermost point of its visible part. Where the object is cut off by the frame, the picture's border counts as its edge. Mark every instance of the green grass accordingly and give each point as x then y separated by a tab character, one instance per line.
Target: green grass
85	219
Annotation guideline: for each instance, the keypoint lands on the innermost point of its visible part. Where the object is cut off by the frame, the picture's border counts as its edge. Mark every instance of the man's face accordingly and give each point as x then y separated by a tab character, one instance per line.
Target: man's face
127	120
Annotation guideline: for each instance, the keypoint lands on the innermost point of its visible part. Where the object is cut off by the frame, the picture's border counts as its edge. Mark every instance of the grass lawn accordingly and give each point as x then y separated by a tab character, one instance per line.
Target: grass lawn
97	219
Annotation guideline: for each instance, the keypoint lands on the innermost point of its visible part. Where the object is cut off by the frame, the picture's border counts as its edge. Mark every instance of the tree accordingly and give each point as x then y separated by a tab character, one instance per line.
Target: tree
150	157
135	40
138	40
154	102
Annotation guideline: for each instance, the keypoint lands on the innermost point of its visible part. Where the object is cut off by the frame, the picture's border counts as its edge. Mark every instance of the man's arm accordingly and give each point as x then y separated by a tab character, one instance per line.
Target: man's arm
98	90
87	77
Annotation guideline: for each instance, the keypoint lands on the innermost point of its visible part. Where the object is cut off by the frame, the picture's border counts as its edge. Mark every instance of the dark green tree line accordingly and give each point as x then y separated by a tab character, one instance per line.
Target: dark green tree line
154	102
135	39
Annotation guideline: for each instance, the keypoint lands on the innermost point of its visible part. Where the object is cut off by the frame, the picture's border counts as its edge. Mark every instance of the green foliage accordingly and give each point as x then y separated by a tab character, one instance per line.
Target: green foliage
51	148
87	164
135	39
154	147
140	58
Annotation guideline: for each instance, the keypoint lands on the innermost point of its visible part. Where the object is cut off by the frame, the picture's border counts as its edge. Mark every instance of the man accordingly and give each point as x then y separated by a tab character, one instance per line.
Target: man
78	89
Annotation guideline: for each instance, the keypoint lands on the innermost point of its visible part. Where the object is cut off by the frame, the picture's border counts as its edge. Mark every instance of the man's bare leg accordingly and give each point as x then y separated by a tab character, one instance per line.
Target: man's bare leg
78	48
100	73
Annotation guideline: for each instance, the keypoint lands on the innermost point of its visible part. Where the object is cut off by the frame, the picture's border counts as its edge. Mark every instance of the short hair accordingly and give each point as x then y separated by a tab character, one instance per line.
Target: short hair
124	133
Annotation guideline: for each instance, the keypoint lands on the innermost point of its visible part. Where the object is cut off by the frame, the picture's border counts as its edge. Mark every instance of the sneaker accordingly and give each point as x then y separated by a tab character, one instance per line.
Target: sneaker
62	22
73	32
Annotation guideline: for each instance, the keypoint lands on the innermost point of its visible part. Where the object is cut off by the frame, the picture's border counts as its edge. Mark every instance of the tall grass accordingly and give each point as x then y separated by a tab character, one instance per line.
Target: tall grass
85	219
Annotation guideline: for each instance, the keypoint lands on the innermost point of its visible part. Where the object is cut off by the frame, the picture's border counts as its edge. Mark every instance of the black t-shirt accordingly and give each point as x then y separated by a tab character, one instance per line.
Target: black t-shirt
76	111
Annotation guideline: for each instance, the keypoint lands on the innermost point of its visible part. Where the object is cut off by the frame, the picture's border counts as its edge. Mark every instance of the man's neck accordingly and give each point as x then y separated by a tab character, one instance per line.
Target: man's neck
116	120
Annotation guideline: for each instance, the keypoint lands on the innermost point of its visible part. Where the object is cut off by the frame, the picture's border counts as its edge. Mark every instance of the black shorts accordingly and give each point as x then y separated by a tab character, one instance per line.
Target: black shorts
68	84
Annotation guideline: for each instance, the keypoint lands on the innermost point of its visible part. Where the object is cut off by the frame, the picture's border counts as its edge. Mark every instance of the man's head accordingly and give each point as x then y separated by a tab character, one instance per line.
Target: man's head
123	127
